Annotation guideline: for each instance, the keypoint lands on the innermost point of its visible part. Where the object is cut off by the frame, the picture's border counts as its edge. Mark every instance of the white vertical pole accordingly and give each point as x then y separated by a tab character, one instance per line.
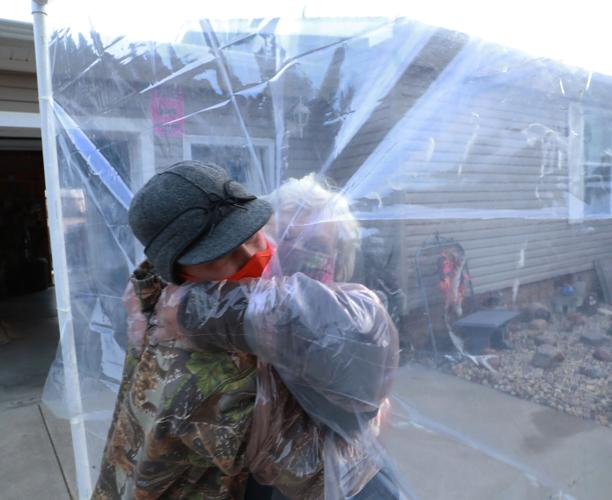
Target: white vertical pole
58	249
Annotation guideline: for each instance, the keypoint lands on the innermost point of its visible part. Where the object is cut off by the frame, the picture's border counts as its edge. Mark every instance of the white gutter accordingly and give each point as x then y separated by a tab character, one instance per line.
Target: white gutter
17	119
60	268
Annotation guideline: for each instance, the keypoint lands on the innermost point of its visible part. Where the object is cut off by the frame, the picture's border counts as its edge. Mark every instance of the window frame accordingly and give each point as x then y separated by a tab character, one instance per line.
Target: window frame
577	164
190	140
142	148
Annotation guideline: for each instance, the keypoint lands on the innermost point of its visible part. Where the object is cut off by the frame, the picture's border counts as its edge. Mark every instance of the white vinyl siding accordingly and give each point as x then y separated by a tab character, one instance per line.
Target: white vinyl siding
508	148
18	92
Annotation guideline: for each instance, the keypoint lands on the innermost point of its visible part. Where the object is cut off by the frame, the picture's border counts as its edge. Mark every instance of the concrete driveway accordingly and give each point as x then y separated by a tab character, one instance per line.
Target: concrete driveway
457	440
35	448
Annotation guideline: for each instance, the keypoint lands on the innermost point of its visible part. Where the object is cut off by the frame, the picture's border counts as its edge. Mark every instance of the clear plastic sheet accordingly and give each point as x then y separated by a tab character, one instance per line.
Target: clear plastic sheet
419	175
334	345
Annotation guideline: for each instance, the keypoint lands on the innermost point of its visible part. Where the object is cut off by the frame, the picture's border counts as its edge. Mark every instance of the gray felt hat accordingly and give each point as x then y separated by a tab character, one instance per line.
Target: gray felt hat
193	213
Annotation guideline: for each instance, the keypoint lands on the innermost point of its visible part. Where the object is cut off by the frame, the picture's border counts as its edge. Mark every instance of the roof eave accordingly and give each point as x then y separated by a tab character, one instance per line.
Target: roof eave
16	30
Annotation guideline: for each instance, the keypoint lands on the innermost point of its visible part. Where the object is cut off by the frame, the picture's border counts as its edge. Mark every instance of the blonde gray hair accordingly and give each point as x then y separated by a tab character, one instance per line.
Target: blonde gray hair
310	201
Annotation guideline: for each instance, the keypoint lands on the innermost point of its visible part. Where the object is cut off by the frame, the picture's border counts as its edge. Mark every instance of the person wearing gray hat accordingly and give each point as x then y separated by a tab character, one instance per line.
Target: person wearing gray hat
193	214
200	407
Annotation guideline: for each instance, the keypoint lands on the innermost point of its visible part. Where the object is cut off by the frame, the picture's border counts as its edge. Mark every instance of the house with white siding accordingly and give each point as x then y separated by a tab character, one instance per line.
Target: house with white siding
507	154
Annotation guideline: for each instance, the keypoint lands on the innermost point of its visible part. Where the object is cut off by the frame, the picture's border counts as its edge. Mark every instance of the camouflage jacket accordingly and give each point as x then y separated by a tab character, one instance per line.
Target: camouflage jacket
192	420
181	421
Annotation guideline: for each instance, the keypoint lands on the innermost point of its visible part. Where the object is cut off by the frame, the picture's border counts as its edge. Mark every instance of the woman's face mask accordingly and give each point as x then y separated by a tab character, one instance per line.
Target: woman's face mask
312	255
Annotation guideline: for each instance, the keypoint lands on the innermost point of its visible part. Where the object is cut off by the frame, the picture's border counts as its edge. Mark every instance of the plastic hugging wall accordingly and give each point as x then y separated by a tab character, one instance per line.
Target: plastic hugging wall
449	152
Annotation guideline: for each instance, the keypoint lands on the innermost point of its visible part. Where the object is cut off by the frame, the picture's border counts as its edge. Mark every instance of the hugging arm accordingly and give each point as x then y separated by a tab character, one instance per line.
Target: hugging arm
333	344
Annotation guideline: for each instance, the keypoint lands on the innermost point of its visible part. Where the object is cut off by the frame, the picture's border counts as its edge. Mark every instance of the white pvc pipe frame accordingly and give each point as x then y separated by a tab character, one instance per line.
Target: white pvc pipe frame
58	250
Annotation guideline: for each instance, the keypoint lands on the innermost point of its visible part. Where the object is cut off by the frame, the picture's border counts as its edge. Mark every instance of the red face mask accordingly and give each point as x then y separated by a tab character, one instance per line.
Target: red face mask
255	266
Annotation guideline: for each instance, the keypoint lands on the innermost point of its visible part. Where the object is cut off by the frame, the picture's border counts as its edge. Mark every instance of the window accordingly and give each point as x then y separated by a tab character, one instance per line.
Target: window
128	145
597	162
590	163
233	154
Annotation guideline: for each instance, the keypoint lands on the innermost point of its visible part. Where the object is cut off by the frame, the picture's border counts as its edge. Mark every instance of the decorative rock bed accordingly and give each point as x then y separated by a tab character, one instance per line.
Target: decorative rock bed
564	363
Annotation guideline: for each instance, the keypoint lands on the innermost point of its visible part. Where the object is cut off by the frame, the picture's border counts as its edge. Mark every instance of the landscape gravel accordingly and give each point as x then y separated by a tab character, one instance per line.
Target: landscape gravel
579	382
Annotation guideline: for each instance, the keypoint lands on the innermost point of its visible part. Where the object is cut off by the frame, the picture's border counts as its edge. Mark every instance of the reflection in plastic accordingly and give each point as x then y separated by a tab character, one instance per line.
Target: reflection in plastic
408	130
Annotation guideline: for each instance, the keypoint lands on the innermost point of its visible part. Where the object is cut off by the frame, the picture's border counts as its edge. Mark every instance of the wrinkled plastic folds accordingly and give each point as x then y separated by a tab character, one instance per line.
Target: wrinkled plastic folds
334	340
334	347
418	175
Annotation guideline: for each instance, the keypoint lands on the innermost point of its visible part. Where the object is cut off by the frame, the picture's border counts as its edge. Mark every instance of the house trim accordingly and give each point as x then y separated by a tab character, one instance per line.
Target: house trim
575	163
16	119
